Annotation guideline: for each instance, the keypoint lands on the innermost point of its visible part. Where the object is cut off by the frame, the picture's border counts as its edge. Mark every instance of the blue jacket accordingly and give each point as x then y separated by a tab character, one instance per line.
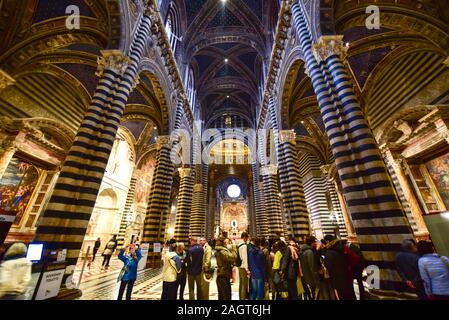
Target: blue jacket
194	260
131	264
256	263
407	265
435	273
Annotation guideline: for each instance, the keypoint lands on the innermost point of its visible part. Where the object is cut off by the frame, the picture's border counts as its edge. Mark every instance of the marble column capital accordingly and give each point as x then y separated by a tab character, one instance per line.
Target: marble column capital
446	62
114	60
198	187
5	80
163	141
327	46
269	170
287	136
184	172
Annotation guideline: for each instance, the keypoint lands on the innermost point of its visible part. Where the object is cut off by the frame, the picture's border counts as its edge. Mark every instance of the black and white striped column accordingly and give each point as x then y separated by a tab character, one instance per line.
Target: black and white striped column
159	198
291	184
272	202
127	213
378	217
261	223
64	222
199	201
182	224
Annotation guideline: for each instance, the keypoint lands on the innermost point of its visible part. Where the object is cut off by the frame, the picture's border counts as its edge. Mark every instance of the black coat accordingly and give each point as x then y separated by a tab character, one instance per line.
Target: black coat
337	264
290	266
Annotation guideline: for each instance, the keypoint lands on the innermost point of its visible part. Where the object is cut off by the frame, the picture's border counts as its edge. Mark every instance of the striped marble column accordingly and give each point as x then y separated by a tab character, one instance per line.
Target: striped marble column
159	198
272	202
261	223
378	217
291	184
64	222
199	201
183	210
127	213
197	219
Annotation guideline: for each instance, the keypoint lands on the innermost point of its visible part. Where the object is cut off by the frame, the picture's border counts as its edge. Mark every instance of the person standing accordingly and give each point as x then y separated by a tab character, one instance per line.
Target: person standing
257	268
242	264
194	260
207	273
279	284
337	263
109	251
407	266
434	271
290	269
182	276
170	271
130	257
15	273
226	255
310	265
97	246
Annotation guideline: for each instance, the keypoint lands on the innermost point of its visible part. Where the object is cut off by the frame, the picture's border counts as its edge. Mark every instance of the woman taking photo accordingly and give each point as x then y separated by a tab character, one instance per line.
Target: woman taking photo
130	257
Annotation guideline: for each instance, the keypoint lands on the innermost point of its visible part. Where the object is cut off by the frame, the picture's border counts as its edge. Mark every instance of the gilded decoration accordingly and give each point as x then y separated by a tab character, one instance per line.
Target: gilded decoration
327	46
114	60
270	170
5	80
287	136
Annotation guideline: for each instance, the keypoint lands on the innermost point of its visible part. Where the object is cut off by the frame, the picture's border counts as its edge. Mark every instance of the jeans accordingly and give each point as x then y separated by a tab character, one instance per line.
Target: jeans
181	285
224	288
194	279
129	289
257	289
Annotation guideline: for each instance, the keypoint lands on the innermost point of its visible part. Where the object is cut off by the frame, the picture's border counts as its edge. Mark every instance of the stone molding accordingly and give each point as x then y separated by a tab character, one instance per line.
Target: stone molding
5	80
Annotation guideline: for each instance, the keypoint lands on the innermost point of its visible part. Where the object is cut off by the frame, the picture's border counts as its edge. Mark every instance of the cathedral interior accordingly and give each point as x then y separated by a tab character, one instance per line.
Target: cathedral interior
160	119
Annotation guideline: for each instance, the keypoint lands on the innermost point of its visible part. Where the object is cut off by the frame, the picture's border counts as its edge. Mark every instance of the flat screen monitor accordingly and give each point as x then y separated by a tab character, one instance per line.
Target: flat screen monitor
34	252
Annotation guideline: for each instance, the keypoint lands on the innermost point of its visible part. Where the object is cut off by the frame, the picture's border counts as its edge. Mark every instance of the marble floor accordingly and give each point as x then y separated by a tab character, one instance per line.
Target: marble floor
101	284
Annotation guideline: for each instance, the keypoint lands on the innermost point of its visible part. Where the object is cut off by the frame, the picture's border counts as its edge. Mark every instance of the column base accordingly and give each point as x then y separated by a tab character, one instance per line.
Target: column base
374	294
68	294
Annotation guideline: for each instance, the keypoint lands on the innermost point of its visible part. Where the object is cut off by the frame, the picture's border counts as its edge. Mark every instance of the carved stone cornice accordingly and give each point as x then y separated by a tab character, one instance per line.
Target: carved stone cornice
163	141
114	60
184	172
270	170
287	136
327	46
5	80
277	55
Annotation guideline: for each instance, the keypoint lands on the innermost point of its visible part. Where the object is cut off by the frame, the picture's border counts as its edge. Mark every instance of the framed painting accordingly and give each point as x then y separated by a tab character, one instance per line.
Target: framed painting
17	187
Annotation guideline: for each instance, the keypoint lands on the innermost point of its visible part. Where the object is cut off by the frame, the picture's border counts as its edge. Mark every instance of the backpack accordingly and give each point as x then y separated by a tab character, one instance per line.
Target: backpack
238	262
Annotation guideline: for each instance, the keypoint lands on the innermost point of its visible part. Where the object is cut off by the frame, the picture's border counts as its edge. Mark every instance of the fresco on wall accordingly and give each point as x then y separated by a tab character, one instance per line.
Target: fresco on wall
439	171
17	186
234	219
144	180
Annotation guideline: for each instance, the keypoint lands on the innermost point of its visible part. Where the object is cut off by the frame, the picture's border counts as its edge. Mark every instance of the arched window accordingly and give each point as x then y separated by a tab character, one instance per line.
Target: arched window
190	88
172	26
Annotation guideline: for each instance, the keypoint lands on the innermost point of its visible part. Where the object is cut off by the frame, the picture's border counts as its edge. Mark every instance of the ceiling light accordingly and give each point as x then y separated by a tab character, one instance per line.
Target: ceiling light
227	97
226	60
223	1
